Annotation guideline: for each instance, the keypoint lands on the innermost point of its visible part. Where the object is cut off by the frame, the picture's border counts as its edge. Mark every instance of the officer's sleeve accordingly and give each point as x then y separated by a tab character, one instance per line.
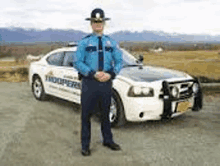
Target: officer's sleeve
118	61
78	61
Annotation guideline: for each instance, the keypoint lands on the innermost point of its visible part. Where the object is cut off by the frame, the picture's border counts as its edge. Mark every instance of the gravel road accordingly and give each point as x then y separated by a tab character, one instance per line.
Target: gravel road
34	133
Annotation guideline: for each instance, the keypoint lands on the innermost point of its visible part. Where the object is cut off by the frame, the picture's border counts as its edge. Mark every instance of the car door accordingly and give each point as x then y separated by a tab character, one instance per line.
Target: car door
71	88
54	73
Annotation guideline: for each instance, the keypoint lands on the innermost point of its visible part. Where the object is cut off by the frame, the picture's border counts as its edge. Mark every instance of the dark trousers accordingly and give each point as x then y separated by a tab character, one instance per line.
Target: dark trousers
92	93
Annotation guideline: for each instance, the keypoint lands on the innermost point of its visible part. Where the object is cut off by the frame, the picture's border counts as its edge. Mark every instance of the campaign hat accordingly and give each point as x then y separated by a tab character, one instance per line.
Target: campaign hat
97	15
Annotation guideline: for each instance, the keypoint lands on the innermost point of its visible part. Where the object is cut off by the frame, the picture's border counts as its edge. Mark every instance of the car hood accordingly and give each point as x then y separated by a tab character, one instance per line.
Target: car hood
150	73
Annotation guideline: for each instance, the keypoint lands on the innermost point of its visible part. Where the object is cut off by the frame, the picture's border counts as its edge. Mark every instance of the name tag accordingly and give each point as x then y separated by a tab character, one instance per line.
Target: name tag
91	48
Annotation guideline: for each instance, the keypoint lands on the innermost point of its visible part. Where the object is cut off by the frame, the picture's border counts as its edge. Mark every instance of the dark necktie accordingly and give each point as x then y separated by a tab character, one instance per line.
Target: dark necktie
101	63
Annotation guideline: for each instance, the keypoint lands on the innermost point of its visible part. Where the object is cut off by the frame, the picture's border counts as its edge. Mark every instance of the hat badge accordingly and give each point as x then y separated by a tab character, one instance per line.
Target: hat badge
97	15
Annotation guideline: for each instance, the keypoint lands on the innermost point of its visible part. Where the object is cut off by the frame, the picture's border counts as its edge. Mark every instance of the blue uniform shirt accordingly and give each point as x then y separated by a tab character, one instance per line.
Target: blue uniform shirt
87	56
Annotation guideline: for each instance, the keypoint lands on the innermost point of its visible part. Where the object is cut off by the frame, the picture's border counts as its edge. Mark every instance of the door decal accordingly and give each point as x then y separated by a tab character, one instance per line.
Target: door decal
64	82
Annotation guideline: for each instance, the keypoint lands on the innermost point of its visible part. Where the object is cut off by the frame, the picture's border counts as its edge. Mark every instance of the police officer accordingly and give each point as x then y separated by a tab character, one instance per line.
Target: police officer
98	60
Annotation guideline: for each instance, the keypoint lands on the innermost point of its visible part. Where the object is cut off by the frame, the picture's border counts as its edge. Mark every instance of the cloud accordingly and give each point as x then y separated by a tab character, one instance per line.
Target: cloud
184	16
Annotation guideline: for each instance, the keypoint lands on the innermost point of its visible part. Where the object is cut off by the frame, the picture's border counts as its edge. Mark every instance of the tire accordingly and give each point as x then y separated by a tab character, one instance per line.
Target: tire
116	115
38	89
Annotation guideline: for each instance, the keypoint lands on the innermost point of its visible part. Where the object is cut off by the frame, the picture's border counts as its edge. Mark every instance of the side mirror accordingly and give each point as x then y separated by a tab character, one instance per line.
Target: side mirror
140	59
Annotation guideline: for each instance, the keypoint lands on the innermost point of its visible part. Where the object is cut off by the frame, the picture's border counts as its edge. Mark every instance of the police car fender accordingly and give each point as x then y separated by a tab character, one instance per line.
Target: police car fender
122	85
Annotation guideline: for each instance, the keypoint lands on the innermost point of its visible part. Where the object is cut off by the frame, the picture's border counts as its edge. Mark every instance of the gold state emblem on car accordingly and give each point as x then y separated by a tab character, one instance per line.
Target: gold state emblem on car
50	73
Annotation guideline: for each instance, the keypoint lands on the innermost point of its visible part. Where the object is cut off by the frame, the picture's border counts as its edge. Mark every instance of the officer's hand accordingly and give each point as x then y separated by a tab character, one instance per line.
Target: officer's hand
99	74
105	77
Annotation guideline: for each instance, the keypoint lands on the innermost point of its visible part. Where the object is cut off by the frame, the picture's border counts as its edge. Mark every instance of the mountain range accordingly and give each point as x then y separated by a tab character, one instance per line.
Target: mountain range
14	34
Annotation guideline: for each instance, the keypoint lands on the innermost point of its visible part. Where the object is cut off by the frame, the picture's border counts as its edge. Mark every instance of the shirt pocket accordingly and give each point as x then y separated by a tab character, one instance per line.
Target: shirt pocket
91	51
91	56
108	54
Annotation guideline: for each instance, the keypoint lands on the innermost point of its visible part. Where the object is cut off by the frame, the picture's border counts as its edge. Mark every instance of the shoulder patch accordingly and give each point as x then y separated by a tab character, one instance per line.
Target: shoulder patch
109	38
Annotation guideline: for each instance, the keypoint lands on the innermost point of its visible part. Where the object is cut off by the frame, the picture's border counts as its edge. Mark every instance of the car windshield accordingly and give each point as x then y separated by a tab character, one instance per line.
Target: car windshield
128	59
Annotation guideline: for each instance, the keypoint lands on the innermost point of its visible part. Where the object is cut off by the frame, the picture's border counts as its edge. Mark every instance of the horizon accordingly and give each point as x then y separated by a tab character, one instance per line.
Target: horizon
134	31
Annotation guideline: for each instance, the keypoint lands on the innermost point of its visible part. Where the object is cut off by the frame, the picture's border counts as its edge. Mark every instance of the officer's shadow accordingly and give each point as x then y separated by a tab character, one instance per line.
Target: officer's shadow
76	108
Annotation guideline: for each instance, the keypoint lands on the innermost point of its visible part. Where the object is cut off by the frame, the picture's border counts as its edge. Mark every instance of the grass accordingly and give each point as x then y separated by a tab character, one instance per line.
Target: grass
5	64
203	64
13	72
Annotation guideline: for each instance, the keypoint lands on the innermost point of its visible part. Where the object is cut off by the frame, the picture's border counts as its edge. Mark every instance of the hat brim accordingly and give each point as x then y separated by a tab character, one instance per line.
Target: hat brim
95	19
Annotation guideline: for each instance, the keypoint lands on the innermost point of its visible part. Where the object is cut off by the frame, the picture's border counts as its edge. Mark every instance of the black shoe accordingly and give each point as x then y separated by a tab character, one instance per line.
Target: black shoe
112	146
86	152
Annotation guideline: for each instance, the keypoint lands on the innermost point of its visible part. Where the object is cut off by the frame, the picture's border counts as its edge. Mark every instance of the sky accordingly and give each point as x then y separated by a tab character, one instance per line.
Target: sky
170	16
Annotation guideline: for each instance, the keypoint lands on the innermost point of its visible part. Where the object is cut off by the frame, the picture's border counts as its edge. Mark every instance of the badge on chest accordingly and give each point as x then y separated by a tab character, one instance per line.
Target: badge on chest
108	46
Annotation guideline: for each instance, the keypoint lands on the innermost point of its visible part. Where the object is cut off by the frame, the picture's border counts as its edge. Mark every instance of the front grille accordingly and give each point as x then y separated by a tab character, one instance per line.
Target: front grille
184	87
185	94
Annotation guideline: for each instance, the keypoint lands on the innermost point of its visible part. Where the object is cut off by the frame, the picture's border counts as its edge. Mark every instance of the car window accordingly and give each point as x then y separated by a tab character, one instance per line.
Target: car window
56	59
68	58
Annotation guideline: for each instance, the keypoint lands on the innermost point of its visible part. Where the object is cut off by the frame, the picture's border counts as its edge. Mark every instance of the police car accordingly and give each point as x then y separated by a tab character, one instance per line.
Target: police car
140	92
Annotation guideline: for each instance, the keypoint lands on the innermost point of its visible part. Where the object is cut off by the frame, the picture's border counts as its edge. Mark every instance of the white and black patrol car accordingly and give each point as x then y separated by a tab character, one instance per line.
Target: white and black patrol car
140	92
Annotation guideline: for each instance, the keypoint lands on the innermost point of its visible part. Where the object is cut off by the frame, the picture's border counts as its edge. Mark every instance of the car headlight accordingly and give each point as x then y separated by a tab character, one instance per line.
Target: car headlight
174	91
146	90
137	91
195	87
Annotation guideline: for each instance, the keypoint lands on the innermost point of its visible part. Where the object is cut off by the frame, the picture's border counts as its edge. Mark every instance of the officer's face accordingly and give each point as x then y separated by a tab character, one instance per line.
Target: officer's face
97	26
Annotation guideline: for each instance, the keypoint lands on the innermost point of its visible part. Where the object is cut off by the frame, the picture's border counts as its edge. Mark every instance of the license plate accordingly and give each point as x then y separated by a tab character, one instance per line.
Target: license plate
183	106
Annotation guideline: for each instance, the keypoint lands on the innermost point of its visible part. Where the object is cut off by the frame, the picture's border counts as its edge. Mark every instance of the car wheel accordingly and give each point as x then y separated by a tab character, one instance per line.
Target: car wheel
116	114
38	89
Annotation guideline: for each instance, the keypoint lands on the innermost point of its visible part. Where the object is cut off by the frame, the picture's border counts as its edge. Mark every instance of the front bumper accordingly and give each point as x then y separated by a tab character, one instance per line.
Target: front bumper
168	99
162	105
